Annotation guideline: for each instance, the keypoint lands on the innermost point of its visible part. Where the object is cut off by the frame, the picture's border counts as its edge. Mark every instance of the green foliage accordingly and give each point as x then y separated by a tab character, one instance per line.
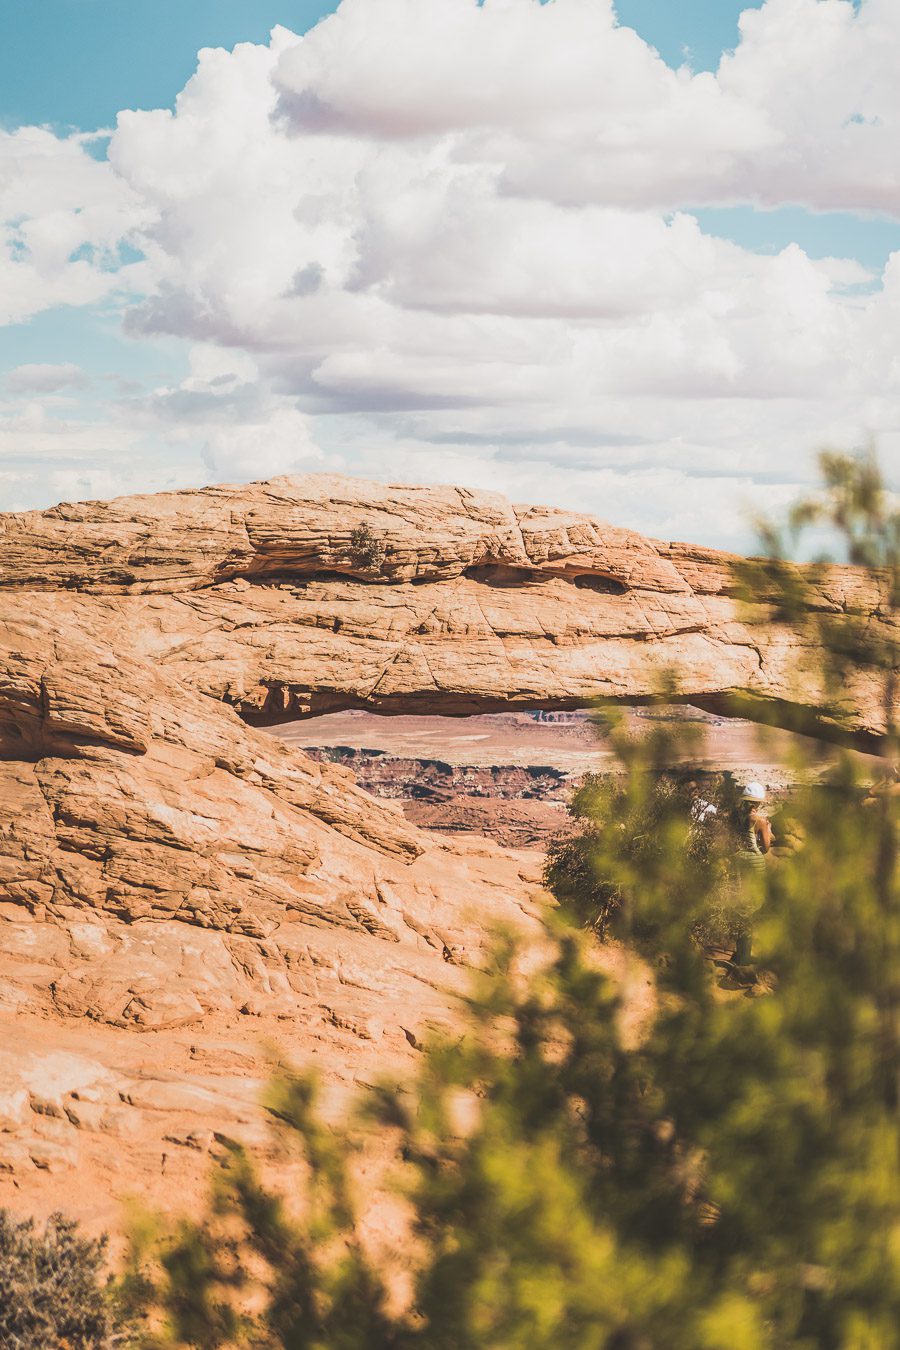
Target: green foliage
629	825
731	1181
726	1180
50	1288
366	549
851	623
192	1286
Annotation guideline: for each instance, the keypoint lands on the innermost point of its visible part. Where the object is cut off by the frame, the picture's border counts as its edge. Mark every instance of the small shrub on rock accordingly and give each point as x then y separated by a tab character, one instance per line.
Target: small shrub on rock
366	549
51	1293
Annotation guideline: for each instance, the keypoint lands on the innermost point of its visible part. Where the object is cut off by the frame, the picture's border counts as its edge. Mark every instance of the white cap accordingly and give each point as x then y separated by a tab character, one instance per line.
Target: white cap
754	792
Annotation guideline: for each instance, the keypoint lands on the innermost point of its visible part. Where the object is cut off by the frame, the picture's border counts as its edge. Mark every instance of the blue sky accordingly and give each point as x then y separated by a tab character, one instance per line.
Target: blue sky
77	62
92	377
694	30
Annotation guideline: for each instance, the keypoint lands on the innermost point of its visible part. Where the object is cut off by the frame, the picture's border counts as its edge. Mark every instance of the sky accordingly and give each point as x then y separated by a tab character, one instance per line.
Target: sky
638	258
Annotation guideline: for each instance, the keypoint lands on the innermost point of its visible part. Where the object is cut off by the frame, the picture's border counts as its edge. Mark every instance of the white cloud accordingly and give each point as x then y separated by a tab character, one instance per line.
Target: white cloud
43	378
566	106
438	239
219	422
279	443
826	74
28	428
242	429
63	216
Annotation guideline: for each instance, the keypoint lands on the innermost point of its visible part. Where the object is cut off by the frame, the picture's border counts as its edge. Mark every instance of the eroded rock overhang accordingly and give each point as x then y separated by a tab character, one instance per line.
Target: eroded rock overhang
163	861
152	837
309	595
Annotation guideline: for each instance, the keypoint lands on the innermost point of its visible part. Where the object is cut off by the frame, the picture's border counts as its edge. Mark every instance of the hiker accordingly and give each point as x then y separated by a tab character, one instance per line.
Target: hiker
755	842
757	826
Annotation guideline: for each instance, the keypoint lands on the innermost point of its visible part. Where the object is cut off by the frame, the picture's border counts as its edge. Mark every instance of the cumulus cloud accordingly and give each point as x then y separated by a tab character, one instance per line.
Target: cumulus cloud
44	378
567	105
63	217
279	443
243	430
443	239
219	422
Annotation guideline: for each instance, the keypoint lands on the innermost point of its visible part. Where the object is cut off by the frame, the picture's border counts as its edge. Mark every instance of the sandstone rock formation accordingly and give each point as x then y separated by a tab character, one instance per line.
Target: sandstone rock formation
165	865
299	596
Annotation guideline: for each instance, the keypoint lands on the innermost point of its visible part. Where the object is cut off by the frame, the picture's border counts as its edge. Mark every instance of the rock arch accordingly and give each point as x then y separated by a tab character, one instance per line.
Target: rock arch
143	638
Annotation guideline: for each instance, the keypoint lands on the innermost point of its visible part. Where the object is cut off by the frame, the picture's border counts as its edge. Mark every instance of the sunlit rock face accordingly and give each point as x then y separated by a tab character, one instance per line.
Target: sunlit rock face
145	637
164	863
303	595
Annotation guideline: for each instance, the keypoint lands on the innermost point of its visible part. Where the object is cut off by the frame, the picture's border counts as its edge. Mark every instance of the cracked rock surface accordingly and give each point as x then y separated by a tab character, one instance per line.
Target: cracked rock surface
168	869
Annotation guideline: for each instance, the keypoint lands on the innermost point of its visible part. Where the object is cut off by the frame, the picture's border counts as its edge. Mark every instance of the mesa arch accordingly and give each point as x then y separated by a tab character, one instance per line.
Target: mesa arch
306	595
165	864
144	637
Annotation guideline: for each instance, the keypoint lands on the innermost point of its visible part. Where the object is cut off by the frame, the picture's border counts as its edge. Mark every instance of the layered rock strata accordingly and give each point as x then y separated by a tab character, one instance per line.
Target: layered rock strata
299	596
164	864
518	806
142	638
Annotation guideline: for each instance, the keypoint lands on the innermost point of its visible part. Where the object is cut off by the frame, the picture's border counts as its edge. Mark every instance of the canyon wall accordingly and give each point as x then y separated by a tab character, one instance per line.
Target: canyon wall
165	867
300	596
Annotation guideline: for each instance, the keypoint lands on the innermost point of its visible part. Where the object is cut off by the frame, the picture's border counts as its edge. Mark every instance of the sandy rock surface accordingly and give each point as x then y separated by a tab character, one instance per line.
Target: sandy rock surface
177	887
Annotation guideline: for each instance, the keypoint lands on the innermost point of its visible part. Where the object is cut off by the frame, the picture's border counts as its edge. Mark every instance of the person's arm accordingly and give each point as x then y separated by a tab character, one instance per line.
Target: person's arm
764	833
